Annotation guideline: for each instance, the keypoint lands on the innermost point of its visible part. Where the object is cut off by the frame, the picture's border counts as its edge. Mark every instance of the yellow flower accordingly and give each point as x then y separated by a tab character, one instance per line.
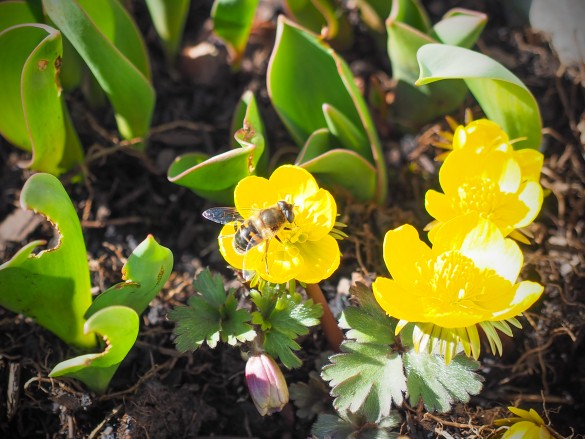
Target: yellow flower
483	135
490	183
467	278
527	424
303	250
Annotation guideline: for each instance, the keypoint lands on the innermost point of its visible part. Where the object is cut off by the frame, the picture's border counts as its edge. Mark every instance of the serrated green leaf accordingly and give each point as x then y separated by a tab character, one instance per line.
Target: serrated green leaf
118	325
310	398
145	273
438	384
53	287
503	97
355	426
366	378
367	323
333	427
210	316
283	320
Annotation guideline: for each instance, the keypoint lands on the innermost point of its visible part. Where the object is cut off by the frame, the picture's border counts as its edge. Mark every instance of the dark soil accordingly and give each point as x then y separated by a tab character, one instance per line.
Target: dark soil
160	393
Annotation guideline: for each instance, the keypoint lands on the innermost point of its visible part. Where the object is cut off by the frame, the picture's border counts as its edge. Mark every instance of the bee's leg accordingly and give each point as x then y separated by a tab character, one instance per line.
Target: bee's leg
266	255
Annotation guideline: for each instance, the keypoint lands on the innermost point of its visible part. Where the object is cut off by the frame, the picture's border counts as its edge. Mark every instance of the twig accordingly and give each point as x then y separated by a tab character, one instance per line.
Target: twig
332	332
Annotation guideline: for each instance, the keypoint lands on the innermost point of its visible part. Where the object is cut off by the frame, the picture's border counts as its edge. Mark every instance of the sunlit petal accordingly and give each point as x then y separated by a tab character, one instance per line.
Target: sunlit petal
403	253
293	184
320	259
254	192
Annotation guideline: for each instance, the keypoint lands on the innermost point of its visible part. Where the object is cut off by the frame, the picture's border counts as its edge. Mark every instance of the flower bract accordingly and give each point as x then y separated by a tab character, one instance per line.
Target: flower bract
304	249
467	278
491	184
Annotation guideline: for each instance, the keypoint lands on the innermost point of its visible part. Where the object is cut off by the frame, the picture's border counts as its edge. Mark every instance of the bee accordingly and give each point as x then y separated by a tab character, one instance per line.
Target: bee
261	226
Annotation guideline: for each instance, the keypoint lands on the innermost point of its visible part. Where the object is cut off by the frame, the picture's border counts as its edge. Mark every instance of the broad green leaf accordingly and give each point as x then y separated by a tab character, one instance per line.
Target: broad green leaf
299	90
366	378
460	27
13	13
168	17
215	178
342	168
232	21
108	41
32	114
318	143
348	135
52	287
282	320
503	97
210	316
118	326
438	384
374	13
323	17
145	273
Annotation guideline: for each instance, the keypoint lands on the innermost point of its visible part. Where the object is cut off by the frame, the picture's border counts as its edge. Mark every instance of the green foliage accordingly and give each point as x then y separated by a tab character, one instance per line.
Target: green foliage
232	21
118	326
145	273
282	318
409	28
376	369
310	398
33	115
503	97
347	425
215	178
108	41
53	286
320	93
210	316
168	18
439	385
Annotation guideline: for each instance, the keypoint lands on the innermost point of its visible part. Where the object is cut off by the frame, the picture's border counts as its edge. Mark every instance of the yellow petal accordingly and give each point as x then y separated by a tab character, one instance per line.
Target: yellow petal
531	162
316	215
226	247
458	167
280	263
254	192
293	184
525	294
406	255
439	206
396	301
531	195
502	168
320	259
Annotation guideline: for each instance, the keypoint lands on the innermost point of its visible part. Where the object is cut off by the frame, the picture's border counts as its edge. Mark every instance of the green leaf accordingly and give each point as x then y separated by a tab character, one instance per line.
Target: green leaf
210	316
145	273
283	319
502	96
460	27
32	114
108	41
215	178
310	398
118	325
366	378
334	427
52	287
438	384
346	426
168	18
13	13
232	21
299	90
348	135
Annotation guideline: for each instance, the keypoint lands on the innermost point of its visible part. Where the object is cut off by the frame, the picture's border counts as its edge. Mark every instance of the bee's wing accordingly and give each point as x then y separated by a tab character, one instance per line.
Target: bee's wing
223	215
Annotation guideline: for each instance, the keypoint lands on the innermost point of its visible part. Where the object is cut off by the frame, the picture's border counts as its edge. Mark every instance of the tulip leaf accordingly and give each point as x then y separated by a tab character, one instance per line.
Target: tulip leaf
210	316
168	18
118	325
232	21
439	384
52	287
503	97
282	319
299	92
318	143
341	168
460	27
13	13
108	41
33	116
215	178
145	273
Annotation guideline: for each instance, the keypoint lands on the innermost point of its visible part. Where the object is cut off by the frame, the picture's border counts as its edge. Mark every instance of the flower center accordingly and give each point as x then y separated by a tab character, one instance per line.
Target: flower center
478	195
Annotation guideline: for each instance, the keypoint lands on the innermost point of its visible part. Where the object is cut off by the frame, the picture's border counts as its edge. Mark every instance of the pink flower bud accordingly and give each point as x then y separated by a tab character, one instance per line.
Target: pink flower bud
266	384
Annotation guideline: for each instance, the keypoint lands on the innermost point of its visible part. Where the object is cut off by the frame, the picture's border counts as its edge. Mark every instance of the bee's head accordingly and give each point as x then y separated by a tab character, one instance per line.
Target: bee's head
287	210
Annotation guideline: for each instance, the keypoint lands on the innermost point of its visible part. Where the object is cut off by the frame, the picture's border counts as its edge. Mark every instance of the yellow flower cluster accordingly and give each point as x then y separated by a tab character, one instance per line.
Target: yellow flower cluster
468	277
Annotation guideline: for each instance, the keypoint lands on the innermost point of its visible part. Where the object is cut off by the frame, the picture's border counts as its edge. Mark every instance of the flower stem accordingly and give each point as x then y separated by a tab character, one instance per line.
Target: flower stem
332	332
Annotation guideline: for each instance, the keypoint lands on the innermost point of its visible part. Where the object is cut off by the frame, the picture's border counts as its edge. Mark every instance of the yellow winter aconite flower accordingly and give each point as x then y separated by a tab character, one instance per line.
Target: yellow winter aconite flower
490	184
467	278
484	135
304	249
526	424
